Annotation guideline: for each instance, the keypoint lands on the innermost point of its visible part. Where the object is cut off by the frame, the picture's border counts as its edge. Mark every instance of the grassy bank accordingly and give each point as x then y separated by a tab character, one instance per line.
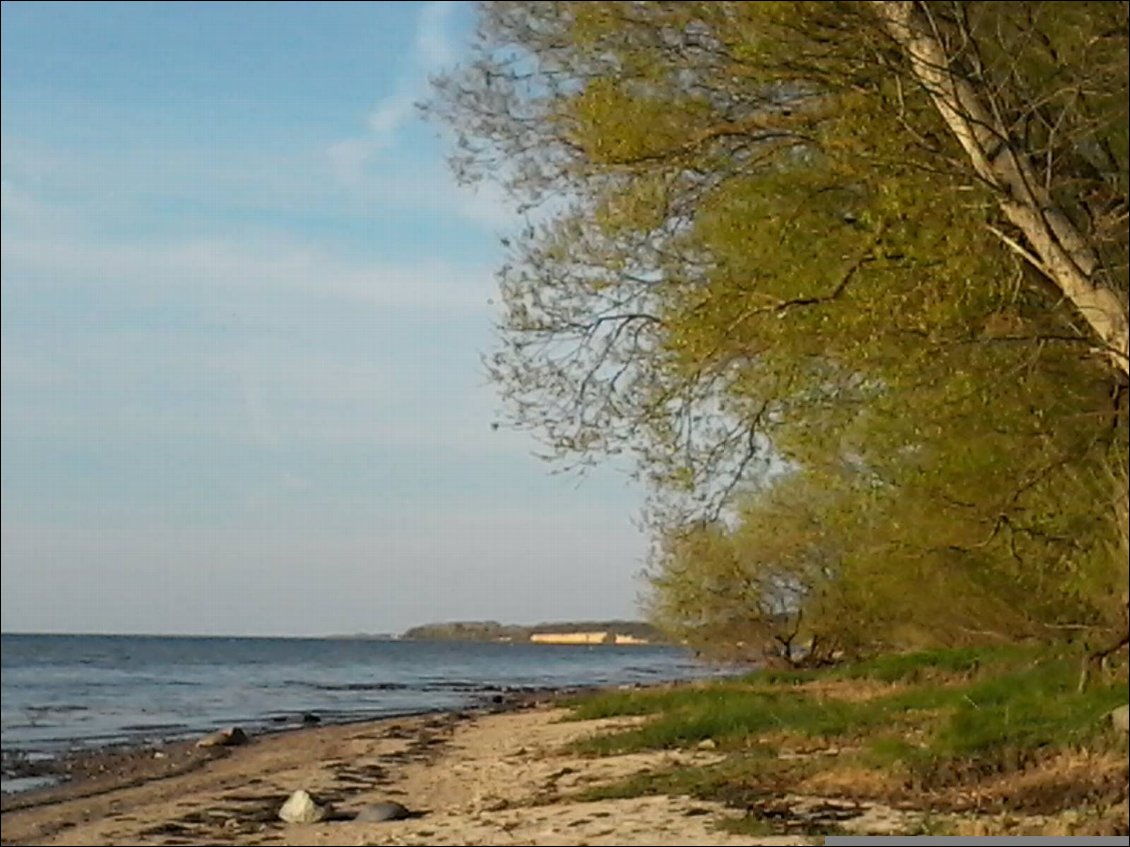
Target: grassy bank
967	738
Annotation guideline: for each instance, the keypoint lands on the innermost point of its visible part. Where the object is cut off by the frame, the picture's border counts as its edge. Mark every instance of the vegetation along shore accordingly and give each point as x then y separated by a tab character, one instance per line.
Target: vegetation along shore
968	741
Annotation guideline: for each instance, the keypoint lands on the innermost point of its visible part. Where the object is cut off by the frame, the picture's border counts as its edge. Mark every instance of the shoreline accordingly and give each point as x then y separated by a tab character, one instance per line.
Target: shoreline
49	738
72	770
498	775
82	761
524	772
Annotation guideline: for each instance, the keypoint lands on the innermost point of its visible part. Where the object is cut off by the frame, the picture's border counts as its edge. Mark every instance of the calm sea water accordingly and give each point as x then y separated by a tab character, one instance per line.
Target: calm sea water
67	691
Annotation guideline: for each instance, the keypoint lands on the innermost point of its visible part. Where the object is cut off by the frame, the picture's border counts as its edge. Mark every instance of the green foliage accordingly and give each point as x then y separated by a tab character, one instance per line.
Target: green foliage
767	276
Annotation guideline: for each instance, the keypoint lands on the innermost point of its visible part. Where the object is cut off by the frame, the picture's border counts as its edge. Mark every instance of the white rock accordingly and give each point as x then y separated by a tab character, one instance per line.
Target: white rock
301	808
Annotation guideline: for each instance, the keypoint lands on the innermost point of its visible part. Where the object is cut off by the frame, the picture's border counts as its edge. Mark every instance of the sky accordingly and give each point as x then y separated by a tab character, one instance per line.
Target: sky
243	310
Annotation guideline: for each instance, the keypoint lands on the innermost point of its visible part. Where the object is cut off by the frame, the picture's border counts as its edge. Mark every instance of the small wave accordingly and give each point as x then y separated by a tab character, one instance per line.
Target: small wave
359	686
440	684
63	708
19	784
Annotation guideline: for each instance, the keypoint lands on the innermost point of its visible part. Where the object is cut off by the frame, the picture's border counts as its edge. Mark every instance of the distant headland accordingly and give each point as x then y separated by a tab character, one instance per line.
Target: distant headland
559	632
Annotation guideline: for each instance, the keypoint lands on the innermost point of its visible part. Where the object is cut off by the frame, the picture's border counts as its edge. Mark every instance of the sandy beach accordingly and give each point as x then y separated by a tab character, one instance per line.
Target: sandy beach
473	779
512	775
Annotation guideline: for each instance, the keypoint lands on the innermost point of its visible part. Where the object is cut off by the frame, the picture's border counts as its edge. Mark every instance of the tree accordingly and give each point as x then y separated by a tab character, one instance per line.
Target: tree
1025	114
762	246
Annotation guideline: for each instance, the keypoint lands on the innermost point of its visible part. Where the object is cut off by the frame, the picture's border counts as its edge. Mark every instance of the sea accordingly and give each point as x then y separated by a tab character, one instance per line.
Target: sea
60	693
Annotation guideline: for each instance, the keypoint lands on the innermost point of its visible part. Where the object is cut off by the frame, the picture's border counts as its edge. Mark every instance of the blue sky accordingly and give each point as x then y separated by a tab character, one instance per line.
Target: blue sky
243	308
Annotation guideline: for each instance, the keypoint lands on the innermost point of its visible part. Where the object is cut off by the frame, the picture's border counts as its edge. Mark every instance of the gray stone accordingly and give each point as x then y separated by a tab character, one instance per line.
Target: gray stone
1120	717
708	744
233	736
300	807
389	810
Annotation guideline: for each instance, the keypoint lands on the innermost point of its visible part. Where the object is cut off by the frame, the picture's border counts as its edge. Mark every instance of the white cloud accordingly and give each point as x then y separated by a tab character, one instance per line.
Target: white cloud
266	267
433	51
265	342
391	115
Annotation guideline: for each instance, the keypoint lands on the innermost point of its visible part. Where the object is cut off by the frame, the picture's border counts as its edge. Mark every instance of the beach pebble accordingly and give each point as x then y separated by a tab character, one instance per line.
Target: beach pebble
300	807
230	737
310	718
389	810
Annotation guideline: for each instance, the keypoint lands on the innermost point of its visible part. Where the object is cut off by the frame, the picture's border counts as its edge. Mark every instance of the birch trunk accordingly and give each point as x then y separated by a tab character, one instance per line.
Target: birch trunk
1054	244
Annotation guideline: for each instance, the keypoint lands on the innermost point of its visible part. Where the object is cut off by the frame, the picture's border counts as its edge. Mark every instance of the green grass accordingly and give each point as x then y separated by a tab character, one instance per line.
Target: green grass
949	718
749	825
960	702
612	704
1028	709
729	715
692	782
916	667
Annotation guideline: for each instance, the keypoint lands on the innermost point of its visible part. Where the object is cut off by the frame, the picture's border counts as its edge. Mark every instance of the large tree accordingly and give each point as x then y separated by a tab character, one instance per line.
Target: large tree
761	245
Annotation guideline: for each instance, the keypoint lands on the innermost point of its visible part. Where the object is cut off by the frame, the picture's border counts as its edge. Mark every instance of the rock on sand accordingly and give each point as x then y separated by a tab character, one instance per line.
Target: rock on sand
389	810
300	807
230	737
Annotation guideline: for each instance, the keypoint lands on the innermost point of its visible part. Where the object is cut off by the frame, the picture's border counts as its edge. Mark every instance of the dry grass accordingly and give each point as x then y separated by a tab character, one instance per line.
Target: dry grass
850	690
855	781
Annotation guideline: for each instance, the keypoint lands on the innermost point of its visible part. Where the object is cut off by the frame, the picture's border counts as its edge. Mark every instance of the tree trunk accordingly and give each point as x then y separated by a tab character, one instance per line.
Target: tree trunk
1054	244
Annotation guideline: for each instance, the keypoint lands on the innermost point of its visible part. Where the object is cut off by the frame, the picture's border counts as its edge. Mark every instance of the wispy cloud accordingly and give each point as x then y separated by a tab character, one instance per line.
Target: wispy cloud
358	162
433	51
262	341
274	267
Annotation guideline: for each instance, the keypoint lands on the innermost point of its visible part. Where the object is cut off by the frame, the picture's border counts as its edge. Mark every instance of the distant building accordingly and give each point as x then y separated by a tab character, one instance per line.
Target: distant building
603	637
569	637
630	639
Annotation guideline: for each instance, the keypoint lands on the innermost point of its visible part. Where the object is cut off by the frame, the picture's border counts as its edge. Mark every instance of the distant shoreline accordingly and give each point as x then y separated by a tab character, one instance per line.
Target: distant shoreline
594	632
